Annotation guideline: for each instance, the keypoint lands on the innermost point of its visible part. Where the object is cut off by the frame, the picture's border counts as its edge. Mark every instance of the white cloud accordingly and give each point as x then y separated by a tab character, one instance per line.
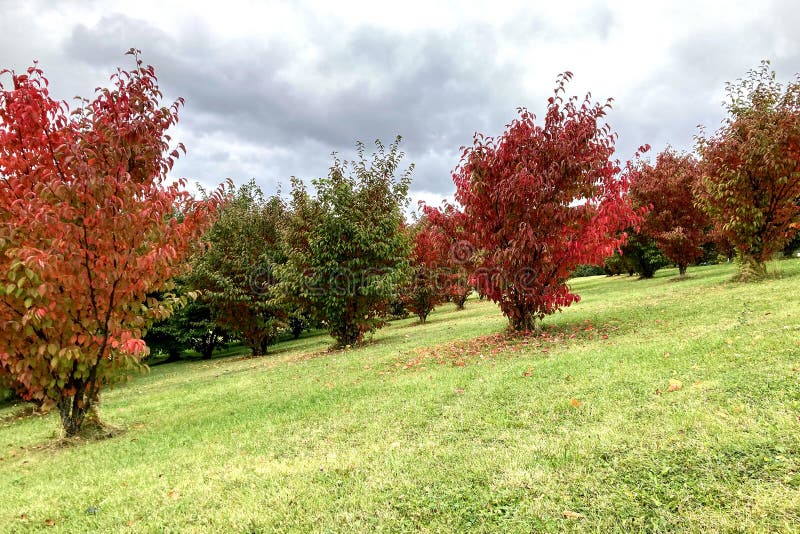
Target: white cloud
273	87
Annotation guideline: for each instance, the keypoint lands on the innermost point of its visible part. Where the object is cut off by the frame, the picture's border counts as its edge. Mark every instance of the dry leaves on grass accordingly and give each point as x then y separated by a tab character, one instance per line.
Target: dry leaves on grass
674	385
485	348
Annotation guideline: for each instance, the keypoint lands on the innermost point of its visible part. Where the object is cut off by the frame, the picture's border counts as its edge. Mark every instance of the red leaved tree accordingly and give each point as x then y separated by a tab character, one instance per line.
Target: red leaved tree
542	200
89	227
427	285
751	166
674	221
458	253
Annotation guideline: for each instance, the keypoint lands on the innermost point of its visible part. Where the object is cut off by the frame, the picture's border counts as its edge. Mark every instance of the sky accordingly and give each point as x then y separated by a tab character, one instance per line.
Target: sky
273	88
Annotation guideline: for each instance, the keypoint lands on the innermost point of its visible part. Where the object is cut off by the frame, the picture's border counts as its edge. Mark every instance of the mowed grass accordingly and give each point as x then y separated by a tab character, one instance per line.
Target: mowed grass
418	431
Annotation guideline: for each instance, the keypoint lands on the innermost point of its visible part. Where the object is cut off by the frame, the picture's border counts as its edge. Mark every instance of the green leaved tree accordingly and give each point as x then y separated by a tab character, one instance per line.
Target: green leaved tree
347	255
235	276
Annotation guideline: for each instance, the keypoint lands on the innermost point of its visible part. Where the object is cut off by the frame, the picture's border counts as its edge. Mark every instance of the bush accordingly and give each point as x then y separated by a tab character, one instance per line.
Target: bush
588	270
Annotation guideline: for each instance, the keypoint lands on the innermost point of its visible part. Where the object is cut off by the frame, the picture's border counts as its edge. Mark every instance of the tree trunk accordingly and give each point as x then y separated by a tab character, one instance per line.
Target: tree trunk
347	335
73	412
260	347
297	325
682	269
524	321
751	268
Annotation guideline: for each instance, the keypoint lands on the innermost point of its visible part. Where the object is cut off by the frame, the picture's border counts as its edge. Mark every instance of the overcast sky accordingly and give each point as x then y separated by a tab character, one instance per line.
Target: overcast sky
272	88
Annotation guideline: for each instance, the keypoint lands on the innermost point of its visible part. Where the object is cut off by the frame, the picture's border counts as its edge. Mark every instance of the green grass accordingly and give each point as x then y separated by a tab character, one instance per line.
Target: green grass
416	431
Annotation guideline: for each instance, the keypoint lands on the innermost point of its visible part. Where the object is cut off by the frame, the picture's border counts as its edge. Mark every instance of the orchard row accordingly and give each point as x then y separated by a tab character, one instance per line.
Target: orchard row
99	249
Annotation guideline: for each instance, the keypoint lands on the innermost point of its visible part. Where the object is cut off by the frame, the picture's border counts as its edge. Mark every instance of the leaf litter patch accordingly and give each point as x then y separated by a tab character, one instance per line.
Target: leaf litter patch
481	349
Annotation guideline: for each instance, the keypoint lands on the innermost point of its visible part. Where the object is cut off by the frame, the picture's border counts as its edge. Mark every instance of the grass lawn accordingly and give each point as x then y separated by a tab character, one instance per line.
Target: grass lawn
649	406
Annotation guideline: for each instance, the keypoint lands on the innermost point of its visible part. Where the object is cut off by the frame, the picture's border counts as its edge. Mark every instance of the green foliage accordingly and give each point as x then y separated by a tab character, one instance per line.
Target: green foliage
751	167
346	252
397	309
588	270
7	392
191	327
297	323
235	276
644	255
640	255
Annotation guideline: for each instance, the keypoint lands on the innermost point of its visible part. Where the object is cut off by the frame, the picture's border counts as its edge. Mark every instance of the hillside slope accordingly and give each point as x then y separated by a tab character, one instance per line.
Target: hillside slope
654	405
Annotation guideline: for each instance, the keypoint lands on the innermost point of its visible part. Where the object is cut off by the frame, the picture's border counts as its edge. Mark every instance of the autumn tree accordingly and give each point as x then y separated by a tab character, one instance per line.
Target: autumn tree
236	277
674	221
347	253
751	169
541	200
429	280
458	253
87	232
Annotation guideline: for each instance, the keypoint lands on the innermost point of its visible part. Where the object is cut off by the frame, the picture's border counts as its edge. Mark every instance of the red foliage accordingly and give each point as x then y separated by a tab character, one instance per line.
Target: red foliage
427	286
542	200
751	166
457	251
88	229
674	221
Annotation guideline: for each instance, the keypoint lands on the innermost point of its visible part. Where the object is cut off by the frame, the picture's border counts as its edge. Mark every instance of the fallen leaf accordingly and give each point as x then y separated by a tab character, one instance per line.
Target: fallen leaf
173	494
459	391
674	385
572	515
49	523
529	372
23	516
575	403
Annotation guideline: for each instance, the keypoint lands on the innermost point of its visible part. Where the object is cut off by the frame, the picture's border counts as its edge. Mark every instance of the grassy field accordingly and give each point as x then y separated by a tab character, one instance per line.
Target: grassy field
649	406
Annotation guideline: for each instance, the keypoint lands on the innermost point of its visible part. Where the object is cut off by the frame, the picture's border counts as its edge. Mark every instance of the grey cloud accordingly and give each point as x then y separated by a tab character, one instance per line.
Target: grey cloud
434	89
262	107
